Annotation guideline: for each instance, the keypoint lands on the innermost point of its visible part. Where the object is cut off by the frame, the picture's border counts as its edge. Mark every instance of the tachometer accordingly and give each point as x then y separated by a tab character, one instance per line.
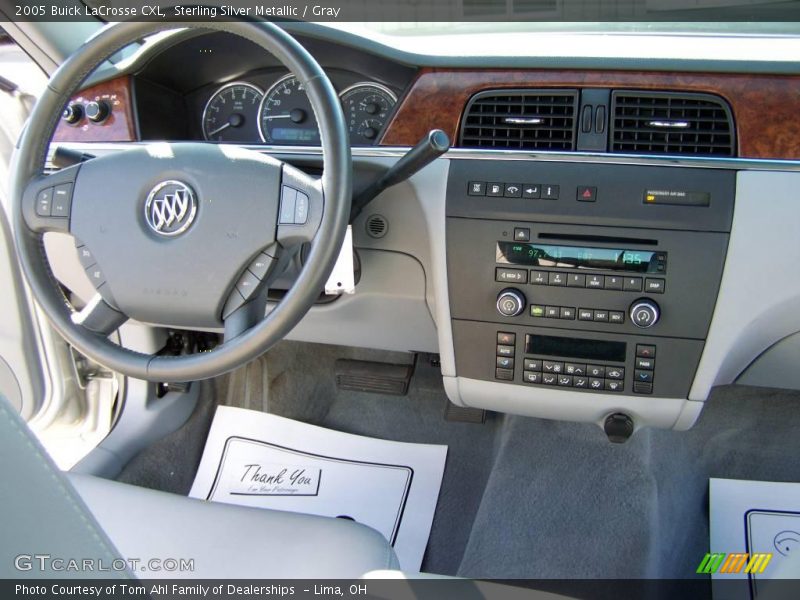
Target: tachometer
367	107
231	114
286	116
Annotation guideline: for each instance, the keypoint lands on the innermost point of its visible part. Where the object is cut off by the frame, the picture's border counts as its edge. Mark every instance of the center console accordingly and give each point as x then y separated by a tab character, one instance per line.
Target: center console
582	278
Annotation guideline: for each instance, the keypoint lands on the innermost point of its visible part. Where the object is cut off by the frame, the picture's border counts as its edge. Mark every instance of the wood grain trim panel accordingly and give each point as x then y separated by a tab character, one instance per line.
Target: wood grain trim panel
118	127
766	108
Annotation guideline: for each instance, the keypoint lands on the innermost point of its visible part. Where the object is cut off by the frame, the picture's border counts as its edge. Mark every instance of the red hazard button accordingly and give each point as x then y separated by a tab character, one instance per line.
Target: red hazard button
587	193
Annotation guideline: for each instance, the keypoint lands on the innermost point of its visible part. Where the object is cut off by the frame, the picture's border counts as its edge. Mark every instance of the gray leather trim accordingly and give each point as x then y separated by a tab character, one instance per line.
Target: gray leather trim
41	513
231	542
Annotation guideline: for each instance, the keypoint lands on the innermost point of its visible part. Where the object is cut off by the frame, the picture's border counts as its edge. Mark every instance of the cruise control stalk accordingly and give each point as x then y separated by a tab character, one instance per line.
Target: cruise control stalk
428	149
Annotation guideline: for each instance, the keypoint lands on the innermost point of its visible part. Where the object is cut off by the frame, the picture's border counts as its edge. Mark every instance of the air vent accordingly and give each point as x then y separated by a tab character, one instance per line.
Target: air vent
669	123
377	226
521	120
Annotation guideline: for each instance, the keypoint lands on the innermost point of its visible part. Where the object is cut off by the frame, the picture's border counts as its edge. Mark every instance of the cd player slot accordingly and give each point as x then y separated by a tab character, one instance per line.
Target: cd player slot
599	239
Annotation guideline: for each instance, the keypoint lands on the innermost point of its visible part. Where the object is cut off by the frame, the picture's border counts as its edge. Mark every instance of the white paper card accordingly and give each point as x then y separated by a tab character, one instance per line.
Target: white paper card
755	517
257	459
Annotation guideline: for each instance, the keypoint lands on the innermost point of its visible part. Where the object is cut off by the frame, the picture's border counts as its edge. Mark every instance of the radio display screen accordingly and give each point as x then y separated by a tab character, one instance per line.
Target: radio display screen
581	257
599	350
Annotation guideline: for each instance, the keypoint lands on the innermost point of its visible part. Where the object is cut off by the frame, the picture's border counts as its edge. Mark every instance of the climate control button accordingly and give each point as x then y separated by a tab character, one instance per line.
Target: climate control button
511	302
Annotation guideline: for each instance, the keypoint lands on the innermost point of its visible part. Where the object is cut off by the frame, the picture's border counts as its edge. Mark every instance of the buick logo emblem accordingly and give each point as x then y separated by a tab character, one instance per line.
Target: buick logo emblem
170	208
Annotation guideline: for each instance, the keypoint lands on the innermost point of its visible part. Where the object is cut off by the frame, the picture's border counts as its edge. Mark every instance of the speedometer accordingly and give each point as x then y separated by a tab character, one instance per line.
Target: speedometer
286	116
367	107
231	114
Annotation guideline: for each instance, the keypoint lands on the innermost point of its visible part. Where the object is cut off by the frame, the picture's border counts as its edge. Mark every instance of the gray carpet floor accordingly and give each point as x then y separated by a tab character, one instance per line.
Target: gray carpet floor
521	497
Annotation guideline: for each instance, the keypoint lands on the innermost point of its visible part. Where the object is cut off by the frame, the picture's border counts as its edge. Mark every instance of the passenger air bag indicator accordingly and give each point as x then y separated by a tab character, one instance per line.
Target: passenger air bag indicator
677	197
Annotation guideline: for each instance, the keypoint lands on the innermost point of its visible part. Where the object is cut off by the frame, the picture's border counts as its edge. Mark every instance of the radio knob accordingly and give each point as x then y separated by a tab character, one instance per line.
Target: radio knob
645	313
511	302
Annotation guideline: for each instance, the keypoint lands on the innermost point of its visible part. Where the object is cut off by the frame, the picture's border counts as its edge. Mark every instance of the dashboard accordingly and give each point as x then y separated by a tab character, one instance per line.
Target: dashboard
587	249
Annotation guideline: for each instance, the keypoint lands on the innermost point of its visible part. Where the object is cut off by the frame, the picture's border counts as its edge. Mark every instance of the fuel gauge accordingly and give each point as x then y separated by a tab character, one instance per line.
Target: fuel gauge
367	107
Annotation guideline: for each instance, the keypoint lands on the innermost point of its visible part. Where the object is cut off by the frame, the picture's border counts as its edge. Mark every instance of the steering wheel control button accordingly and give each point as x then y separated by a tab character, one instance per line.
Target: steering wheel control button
644	313
98	111
170	208
96	275
511	302
301	209
235	301
288	201
44	202
86	257
62	200
260	265
247	284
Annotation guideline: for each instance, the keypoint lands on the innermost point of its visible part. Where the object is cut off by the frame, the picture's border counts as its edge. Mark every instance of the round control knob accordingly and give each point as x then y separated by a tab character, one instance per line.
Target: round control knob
98	111
644	313
72	113
511	302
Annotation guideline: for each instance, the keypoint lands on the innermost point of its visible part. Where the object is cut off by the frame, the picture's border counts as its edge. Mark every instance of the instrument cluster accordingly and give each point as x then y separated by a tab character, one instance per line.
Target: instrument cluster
241	112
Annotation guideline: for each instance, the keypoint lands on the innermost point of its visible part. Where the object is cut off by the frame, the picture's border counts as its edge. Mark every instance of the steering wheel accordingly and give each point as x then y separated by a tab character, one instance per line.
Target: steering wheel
183	235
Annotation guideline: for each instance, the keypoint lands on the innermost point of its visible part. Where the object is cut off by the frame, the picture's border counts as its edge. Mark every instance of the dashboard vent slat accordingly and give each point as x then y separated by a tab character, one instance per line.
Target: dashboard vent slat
521	120
671	123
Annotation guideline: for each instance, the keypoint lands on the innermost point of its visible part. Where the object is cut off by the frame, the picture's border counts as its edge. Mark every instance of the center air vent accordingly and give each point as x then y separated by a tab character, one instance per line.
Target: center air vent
670	123
521	120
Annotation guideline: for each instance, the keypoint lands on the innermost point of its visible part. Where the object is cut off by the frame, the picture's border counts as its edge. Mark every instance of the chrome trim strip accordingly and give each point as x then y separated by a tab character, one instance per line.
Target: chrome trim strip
669	124
758	164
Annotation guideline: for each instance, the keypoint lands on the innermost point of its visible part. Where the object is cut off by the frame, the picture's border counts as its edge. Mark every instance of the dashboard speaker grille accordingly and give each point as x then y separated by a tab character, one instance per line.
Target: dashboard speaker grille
671	123
521	120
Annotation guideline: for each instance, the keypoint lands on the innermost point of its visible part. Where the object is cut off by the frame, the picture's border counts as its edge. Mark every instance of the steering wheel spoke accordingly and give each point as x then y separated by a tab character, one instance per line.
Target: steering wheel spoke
99	316
47	201
301	207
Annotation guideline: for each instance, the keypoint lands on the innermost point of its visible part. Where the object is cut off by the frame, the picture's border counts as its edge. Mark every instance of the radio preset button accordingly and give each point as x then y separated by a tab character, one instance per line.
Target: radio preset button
613	282
595	281
556	279
632	284
576	280
539	277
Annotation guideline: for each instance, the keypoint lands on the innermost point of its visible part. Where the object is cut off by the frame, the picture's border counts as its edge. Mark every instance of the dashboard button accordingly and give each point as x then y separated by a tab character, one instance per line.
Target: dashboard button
643	375
510	275
550	192
539	277
477	188
595	383
595	281
595	371
654	286
614	385
505	350
513	190
565	380
576	280
531	190
616	316
640	387
645	363
506	339
580	382
556	279
613	282
645	351
586	193
601	315
632	284
505	362
504	374
532	364
537	310
567	313
615	373
522	234
495	189
585	314
549	378
552	312
550	366
575	369
531	377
